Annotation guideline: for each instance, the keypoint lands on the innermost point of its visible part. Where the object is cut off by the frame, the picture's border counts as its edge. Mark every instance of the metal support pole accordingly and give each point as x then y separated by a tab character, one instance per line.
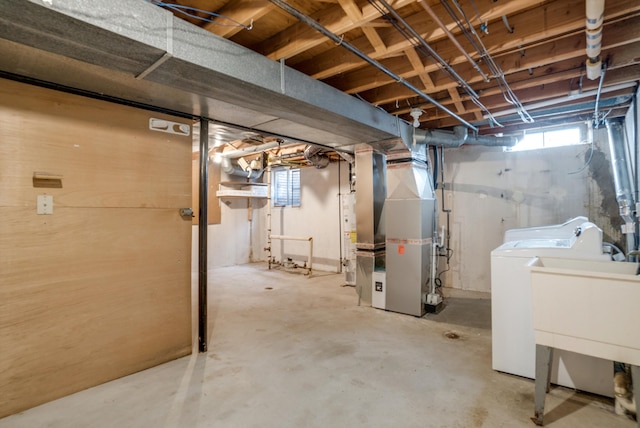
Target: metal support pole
544	357
202	235
269	257
635	378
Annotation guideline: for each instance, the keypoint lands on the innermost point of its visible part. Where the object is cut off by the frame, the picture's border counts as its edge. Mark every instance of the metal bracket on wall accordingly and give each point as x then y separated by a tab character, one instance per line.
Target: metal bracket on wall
186	213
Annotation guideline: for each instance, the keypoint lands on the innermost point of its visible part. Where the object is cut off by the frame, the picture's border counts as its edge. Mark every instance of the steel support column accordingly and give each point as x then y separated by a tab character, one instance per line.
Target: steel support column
202	235
544	361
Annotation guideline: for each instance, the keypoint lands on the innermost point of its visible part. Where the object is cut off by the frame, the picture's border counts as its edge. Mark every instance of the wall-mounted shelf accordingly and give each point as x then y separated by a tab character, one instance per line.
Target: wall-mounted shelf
239	189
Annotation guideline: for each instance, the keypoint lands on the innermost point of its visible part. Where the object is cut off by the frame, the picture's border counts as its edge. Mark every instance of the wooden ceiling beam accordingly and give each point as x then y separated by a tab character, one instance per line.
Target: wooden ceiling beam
243	11
559	17
566	119
533	90
332	17
419	68
335	61
355	14
624	67
457	101
300	37
571	73
625	33
534	95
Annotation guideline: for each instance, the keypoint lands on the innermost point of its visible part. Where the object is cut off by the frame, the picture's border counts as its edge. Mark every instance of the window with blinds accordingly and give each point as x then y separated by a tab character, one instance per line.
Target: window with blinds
286	187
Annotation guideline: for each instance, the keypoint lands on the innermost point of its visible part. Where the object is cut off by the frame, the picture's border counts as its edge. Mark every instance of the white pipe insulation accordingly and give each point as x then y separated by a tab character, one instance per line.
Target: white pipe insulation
594	20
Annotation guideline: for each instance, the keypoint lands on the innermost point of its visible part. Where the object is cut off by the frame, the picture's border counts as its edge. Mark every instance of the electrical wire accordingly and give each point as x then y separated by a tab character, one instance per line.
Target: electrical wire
323	30
587	163
185	10
483	25
422	47
409	33
472	36
597	121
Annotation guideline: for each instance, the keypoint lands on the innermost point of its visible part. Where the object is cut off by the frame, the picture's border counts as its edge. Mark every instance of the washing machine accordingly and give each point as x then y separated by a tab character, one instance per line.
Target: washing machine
555	231
513	344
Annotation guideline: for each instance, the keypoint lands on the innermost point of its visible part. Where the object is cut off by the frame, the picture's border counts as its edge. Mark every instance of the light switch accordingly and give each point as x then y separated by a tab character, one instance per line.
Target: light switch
45	204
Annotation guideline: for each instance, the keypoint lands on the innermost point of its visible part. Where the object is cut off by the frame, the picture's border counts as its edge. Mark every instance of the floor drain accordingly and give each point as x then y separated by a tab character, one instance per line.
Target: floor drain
268	288
451	335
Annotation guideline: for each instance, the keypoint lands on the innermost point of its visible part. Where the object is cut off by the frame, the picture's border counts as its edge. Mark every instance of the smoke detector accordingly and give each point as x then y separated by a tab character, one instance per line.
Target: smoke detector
415	113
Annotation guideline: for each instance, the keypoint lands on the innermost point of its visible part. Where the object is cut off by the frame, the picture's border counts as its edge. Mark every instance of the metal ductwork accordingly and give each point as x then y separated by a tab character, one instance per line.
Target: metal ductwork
254	149
231	168
147	55
317	157
348	157
458	137
492	141
622	178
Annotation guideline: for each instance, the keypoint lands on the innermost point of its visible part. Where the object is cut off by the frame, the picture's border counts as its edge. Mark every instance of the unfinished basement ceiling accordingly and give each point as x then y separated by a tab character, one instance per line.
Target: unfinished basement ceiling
135	52
539	46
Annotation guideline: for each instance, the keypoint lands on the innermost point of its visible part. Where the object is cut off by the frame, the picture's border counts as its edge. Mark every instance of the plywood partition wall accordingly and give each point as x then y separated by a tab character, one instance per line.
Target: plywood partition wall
214	213
99	288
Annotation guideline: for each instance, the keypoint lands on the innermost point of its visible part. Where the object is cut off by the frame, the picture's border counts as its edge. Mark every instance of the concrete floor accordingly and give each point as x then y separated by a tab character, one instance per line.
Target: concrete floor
288	351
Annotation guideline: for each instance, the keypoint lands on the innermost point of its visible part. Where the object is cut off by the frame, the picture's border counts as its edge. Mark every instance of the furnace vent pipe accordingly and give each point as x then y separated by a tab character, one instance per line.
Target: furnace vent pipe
346	156
315	155
459	136
621	178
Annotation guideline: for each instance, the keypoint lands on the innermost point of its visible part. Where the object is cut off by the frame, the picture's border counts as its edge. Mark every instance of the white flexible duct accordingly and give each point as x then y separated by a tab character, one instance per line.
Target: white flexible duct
231	168
254	149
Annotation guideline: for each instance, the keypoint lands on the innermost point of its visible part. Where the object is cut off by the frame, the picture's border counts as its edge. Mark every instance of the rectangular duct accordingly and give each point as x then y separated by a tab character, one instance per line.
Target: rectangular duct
371	191
92	45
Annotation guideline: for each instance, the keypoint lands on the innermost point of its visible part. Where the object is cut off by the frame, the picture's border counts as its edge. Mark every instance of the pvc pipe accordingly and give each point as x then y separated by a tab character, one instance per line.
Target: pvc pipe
432	285
594	67
291	238
268	249
594	42
229	167
299	238
595	13
253	149
593	34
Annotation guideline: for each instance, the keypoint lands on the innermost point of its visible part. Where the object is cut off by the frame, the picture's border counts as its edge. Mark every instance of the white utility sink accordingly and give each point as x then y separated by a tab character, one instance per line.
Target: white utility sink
588	307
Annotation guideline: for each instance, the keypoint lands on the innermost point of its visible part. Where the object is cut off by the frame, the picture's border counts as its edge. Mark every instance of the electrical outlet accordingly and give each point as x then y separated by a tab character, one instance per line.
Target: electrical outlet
45	204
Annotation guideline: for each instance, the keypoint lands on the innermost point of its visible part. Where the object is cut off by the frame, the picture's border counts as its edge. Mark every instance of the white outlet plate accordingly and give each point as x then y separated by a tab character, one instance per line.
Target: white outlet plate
45	204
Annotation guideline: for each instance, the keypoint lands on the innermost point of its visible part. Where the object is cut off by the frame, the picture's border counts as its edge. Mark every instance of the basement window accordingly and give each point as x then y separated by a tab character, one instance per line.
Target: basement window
286	187
551	137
